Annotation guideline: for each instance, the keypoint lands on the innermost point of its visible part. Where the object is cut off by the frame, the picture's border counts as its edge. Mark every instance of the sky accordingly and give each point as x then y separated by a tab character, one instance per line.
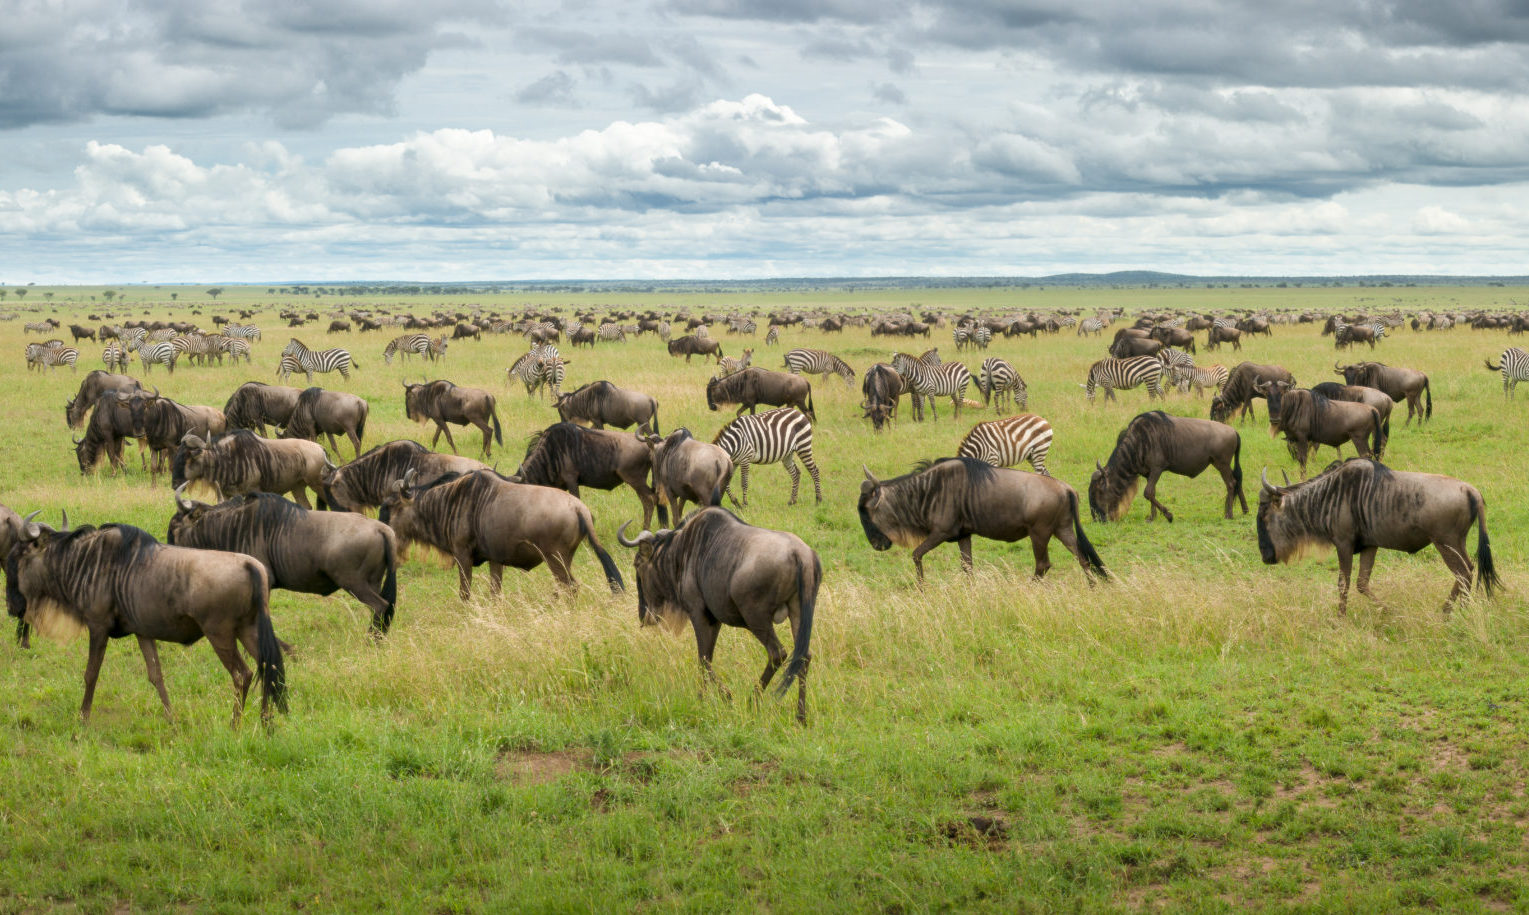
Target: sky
457	140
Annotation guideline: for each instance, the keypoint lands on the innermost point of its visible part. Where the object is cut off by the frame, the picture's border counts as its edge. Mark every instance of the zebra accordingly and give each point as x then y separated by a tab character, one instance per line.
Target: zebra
946	379
610	333
162	353
817	362
40	327
962	335
742	326
1009	441
163	335
326	360
1212	376
772	337
981	336
1514	368
55	356
1125	374
437	349
664	331
115	357
36	351
730	365
234	347
195	347
1093	326
541	366
1000	381
406	345
1175	361
132	338
764	438
242	332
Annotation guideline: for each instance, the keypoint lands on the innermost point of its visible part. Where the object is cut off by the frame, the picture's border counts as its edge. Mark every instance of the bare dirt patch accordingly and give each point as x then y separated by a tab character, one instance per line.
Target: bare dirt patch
529	767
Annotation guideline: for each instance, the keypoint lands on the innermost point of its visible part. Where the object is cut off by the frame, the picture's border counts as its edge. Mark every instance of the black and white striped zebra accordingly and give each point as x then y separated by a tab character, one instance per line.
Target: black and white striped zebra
234	347
742	326
164	334
817	362
1009	441
1211	376
1123	374
132	338
1093	326
611	333
772	336
732	365
37	327
437	349
1514	367
115	357
242	332
764	438
999	382
196	347
36	351
1175	362
324	360
981	336
947	379
55	356
162	353
406	345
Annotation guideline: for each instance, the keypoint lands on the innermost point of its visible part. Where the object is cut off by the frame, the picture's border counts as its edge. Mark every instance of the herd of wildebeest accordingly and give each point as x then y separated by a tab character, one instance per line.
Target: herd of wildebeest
211	577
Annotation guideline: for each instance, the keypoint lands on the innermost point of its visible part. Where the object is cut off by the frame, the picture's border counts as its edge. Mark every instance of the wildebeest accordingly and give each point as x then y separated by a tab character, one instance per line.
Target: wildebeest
443	402
240	461
1219	334
1178	337
1309	419
466	331
1358	393
255	403
956	498
718	571
602	404
687	470
326	412
882	387
1156	442
567	456
1361	506
92	386
365	482
1242	387
1126	346
481	517
111	422
82	333
754	386
691	345
303	551
161	424
1398	383
117	580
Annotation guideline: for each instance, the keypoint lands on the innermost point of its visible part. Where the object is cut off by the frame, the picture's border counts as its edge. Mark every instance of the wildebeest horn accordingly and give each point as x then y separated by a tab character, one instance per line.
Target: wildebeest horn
77	441
330	466
182	504
156	391
191	440
1285	475
1268	487
30	528
1336	369
621	536
868	475
63	524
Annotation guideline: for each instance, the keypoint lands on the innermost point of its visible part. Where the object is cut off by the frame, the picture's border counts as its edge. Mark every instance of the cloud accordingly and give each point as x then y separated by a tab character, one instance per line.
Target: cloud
889	94
556	88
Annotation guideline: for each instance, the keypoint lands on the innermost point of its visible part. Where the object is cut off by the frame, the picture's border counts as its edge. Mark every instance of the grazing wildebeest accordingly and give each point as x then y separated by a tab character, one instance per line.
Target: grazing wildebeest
882	387
481	517
117	580
467	331
1178	337
1126	346
718	571
602	404
161	425
691	345
1219	334
1309	419
303	551
1361	506
687	470
443	402
956	498
365	482
1358	393
109	425
256	403
326	412
754	386
240	462
566	456
1398	383
1156	442
92	386
1242	387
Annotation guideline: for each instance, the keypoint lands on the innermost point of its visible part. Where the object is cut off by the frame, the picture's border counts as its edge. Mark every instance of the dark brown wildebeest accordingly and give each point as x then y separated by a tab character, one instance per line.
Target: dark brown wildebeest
92	386
118	580
1178	337
718	571
1156	442
691	345
1348	334
1219	334
339	327
1242	387
326	412
882	387
303	551
687	470
1126	346
602	404
1358	393
256	403
161	425
82	333
365	482
1361	506
754	386
583	334
1398	383
240	462
465	331
109	425
567	456
956	498
482	517
1257	324
443	402
1309	419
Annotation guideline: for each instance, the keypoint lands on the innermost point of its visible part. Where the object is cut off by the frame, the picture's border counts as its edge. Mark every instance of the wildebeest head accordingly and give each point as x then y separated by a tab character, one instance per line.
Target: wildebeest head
191	462
1279	537
1110	495
1274	392
26	570
1358	373
654	594
870	499
187	514
414	402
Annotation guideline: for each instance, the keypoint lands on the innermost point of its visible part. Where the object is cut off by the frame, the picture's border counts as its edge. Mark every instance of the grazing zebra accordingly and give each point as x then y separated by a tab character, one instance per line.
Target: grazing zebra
664	331
981	336
742	326
55	356
132	338
772	337
36	351
242	332
437	349
731	365
41	327
529	368
946	379
234	347
1212	376
1009	441
1514	368
115	357
1124	374
406	346
1093	326
1000	381
1173	359
610	333
325	360
161	353
764	438
817	362
195	347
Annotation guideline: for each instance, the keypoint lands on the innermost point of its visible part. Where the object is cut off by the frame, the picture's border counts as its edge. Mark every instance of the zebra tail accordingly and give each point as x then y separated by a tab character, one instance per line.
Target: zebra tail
1428	392
1486	572
806	595
1096	564
612	574
1495	368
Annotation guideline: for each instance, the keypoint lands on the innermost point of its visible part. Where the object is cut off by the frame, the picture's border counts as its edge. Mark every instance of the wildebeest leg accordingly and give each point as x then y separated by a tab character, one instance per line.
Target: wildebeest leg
300	496
449	440
228	652
1360	445
796	476
930	542
464	563
1151	493
151	662
765	633
1233	490
1040	545
647	497
1460	566
488	438
355	442
1366	566
1345	571
332	446
560	564
495	578
706	631
98	640
965	544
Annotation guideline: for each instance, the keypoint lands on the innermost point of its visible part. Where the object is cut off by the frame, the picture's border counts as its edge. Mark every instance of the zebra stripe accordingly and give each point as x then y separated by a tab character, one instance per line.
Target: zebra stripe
1514	368
611	333
1010	441
406	346
161	353
1213	377
772	337
132	338
1000	381
1124	374
54	357
436	349
115	357
242	332
731	365
947	379
764	438
328	360
234	347
817	362
1090	326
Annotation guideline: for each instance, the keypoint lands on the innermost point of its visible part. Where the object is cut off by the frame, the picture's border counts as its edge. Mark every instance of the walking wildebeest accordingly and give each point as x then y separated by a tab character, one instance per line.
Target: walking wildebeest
304	551
240	461
754	386
1242	387
444	402
365	482
955	498
1309	419
117	580
1219	334
1361	506
1397	383
686	469
602	404
326	412
1358	393
1156	442
256	403
691	345
481	517
718	571
92	386
82	333
566	456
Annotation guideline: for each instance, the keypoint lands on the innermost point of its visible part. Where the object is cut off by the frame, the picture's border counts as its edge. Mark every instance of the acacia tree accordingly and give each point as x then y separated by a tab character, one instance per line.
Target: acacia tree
215	291
21	293
108	294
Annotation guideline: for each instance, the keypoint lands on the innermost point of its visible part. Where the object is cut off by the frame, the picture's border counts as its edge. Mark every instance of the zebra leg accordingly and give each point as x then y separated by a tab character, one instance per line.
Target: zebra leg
743	474
812	468
796	476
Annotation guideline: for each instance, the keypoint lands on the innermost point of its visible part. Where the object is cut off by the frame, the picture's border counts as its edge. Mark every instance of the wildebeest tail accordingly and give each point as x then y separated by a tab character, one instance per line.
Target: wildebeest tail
1377	442
807	581
1428	393
655	419
268	661
389	583
1237	464
498	435
1486	572
1084	546
612	574
810	411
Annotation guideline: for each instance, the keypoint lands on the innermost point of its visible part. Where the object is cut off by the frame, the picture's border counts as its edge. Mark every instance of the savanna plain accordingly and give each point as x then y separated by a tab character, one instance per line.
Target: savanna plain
1203	732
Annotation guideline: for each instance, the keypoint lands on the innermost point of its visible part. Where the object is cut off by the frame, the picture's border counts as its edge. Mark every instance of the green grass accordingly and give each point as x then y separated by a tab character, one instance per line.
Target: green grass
1204	733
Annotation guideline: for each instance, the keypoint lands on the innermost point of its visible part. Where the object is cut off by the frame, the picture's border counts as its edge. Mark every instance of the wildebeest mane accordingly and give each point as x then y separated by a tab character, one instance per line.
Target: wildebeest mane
977	471
589	399
302	425
550	450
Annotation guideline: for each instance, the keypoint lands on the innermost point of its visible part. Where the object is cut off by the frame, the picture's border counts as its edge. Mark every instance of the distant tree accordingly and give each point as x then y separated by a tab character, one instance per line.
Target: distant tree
21	293
4	293
108	294
174	296
48	296
215	291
